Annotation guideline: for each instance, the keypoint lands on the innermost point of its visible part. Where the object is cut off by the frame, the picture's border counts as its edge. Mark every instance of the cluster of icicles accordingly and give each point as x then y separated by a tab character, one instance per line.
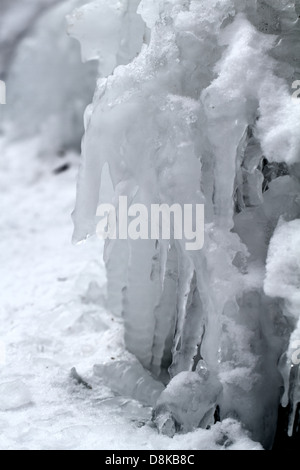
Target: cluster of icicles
198	107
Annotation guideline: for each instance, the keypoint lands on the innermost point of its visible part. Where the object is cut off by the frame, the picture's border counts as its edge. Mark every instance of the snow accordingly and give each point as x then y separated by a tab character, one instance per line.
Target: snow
14	395
283	266
283	281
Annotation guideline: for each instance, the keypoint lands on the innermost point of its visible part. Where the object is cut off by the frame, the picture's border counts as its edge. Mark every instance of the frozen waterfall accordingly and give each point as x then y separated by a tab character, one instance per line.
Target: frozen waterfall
199	107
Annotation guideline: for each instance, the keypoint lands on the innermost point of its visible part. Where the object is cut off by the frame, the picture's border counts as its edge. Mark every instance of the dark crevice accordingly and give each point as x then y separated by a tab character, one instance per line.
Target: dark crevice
272	171
198	357
282	440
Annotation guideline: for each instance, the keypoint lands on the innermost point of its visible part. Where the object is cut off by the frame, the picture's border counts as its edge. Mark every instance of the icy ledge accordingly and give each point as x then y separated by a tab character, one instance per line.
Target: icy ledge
203	114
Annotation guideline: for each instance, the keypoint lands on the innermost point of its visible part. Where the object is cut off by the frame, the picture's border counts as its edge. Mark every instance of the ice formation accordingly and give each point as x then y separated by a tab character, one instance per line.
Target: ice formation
282	280
199	108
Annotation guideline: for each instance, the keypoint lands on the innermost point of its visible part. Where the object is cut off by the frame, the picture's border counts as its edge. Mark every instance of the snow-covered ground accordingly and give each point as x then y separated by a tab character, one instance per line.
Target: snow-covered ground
53	318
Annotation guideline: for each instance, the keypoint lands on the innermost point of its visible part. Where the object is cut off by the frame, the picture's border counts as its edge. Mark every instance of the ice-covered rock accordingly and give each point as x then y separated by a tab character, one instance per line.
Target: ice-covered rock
189	400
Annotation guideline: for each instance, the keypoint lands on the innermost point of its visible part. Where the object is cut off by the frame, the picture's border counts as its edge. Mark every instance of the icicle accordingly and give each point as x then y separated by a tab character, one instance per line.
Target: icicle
130	379
165	315
141	299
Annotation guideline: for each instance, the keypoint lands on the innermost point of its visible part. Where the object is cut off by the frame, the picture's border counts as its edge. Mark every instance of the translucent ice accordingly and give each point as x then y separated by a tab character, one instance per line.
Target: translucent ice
115	34
131	380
